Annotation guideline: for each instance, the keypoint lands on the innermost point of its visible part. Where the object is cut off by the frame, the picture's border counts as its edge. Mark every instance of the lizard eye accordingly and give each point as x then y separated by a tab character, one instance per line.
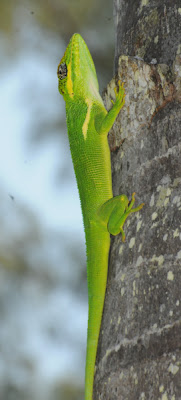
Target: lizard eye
62	71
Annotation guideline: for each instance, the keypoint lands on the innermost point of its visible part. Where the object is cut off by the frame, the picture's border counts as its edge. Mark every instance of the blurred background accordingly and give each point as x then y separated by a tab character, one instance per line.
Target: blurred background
43	292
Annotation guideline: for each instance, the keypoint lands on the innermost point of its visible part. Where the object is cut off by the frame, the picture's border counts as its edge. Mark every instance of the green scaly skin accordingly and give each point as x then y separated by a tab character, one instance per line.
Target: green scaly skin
88	124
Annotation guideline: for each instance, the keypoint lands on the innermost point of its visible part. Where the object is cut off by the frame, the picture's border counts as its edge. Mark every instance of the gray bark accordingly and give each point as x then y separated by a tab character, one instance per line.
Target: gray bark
139	352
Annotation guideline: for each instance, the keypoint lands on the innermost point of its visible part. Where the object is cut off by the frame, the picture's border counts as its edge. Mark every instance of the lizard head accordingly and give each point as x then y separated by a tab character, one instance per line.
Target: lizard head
76	71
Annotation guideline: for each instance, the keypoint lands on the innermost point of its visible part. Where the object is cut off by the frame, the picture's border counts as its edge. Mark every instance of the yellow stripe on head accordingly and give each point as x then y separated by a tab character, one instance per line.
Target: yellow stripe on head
69	80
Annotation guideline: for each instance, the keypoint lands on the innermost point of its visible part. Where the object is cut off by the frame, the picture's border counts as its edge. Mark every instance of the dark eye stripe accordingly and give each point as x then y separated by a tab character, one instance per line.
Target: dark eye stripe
62	71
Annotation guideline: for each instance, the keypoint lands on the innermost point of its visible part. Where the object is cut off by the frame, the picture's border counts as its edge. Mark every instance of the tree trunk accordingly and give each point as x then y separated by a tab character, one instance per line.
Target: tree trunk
139	352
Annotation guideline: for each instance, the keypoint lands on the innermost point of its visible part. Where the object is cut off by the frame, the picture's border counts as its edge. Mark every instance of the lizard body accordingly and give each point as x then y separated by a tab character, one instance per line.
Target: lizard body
88	124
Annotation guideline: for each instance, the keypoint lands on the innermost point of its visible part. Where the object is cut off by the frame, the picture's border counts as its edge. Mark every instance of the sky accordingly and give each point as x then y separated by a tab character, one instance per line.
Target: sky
28	177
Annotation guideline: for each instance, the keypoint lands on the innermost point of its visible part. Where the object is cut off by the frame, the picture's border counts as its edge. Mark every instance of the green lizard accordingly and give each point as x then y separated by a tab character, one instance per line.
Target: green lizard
88	124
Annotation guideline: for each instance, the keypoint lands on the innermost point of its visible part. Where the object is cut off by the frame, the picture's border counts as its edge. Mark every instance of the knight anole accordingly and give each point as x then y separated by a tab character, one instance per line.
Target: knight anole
88	124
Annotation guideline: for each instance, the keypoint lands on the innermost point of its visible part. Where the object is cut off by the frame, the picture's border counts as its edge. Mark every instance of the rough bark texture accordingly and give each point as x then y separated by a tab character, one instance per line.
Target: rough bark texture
139	354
